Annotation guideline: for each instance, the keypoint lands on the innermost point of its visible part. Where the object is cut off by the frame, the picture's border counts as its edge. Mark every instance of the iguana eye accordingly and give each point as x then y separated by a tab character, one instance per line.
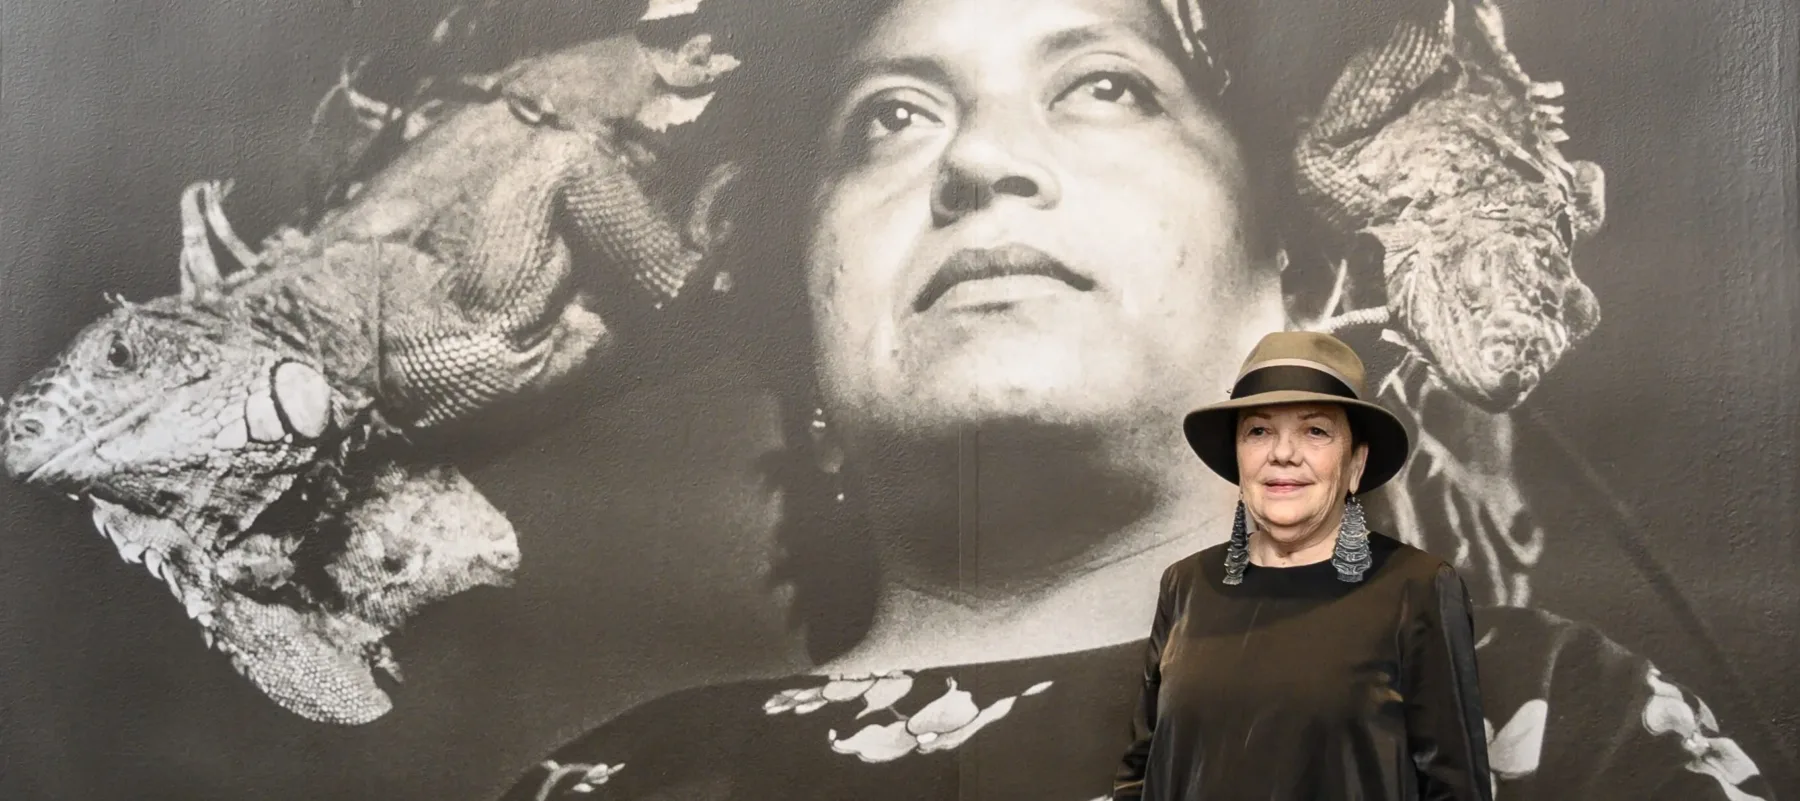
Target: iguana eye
120	355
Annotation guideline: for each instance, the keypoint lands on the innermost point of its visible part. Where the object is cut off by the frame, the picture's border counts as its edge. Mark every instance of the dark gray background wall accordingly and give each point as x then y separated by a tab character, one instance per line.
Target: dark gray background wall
1686	405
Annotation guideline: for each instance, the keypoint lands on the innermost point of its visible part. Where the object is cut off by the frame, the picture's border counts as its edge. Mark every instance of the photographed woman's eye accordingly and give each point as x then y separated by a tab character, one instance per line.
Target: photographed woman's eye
884	118
1109	90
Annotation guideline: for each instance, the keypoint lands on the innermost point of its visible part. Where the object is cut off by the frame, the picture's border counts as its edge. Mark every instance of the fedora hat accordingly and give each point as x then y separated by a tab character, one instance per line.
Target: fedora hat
1300	367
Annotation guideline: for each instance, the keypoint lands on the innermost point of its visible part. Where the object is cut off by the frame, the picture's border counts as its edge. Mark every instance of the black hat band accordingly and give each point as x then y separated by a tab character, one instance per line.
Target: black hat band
1291	378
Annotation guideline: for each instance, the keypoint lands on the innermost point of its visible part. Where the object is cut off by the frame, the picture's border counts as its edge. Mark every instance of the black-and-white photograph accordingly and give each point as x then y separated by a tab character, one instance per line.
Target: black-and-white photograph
900	399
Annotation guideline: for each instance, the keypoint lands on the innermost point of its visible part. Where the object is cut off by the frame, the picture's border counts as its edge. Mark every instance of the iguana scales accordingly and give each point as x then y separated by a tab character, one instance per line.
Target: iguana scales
235	437
1438	147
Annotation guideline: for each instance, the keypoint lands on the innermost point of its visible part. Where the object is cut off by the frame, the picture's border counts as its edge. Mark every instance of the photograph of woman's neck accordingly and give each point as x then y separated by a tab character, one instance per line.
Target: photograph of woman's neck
1033	247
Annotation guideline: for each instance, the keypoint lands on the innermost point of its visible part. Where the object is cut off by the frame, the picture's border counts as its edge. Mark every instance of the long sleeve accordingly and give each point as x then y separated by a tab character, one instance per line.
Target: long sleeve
1128	783
1445	730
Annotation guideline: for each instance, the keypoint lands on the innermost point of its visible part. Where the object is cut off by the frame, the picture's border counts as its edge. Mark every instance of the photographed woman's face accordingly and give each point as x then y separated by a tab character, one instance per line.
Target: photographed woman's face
1026	215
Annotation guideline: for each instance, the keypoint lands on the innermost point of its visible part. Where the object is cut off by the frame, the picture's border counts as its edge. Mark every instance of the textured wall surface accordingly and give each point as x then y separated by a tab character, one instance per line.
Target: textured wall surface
1660	458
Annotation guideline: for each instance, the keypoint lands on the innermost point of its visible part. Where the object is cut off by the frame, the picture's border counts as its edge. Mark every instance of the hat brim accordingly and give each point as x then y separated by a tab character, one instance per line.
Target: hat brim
1212	433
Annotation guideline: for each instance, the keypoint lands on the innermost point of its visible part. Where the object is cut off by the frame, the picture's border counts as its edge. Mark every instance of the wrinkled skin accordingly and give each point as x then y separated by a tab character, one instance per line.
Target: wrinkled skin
1438	149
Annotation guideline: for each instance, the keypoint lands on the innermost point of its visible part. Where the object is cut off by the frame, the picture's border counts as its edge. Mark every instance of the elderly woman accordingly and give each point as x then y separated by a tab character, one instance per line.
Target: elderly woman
1307	657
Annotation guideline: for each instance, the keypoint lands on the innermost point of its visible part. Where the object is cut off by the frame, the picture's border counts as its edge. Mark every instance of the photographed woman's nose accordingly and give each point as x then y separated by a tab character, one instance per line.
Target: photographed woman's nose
990	162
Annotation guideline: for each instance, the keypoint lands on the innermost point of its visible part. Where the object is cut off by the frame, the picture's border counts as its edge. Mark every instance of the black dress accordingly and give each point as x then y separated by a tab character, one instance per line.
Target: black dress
1296	685
1572	717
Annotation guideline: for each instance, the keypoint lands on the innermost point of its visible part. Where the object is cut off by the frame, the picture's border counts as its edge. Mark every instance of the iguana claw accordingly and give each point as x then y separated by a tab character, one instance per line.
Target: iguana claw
200	277
212	200
203	216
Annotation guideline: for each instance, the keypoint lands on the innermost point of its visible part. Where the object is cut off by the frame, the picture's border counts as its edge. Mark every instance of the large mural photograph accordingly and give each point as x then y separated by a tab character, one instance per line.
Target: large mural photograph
754	399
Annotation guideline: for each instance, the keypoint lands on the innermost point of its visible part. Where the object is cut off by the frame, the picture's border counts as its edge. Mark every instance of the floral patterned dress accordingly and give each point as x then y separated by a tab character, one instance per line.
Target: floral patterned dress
1569	716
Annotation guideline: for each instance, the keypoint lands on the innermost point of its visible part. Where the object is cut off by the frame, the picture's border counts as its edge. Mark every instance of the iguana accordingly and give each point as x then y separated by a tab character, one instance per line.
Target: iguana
304	612
1438	147
445	286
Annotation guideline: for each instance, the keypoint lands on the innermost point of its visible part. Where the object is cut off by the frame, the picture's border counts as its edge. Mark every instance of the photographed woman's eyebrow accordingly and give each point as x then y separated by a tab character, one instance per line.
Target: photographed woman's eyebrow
921	68
1062	42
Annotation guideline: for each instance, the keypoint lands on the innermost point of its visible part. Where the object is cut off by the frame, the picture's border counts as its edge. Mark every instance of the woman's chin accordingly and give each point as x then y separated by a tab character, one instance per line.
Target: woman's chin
1014	395
1289	521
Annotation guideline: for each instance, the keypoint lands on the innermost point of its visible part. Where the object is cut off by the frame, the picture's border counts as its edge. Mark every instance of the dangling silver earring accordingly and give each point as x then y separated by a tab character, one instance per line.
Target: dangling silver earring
1351	556
827	455
1237	555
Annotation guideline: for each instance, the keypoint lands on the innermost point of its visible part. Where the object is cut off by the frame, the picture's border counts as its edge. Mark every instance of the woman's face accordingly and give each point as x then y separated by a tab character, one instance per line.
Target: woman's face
1026	216
1296	465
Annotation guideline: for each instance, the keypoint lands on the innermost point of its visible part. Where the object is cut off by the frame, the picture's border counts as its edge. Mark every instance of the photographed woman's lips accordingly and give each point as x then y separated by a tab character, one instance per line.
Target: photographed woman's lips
1284	487
1009	273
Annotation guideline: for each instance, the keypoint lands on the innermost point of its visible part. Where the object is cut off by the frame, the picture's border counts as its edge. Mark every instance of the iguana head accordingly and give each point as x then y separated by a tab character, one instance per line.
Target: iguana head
1480	254
187	431
171	409
1492	303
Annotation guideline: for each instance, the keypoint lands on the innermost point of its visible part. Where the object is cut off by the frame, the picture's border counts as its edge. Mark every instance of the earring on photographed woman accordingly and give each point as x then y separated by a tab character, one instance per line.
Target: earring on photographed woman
827	455
823	555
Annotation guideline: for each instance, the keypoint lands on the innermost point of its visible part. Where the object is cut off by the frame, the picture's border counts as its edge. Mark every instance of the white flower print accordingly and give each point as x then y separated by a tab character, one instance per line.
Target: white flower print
1516	749
877	692
1668	712
798	702
886	692
592	776
943	724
